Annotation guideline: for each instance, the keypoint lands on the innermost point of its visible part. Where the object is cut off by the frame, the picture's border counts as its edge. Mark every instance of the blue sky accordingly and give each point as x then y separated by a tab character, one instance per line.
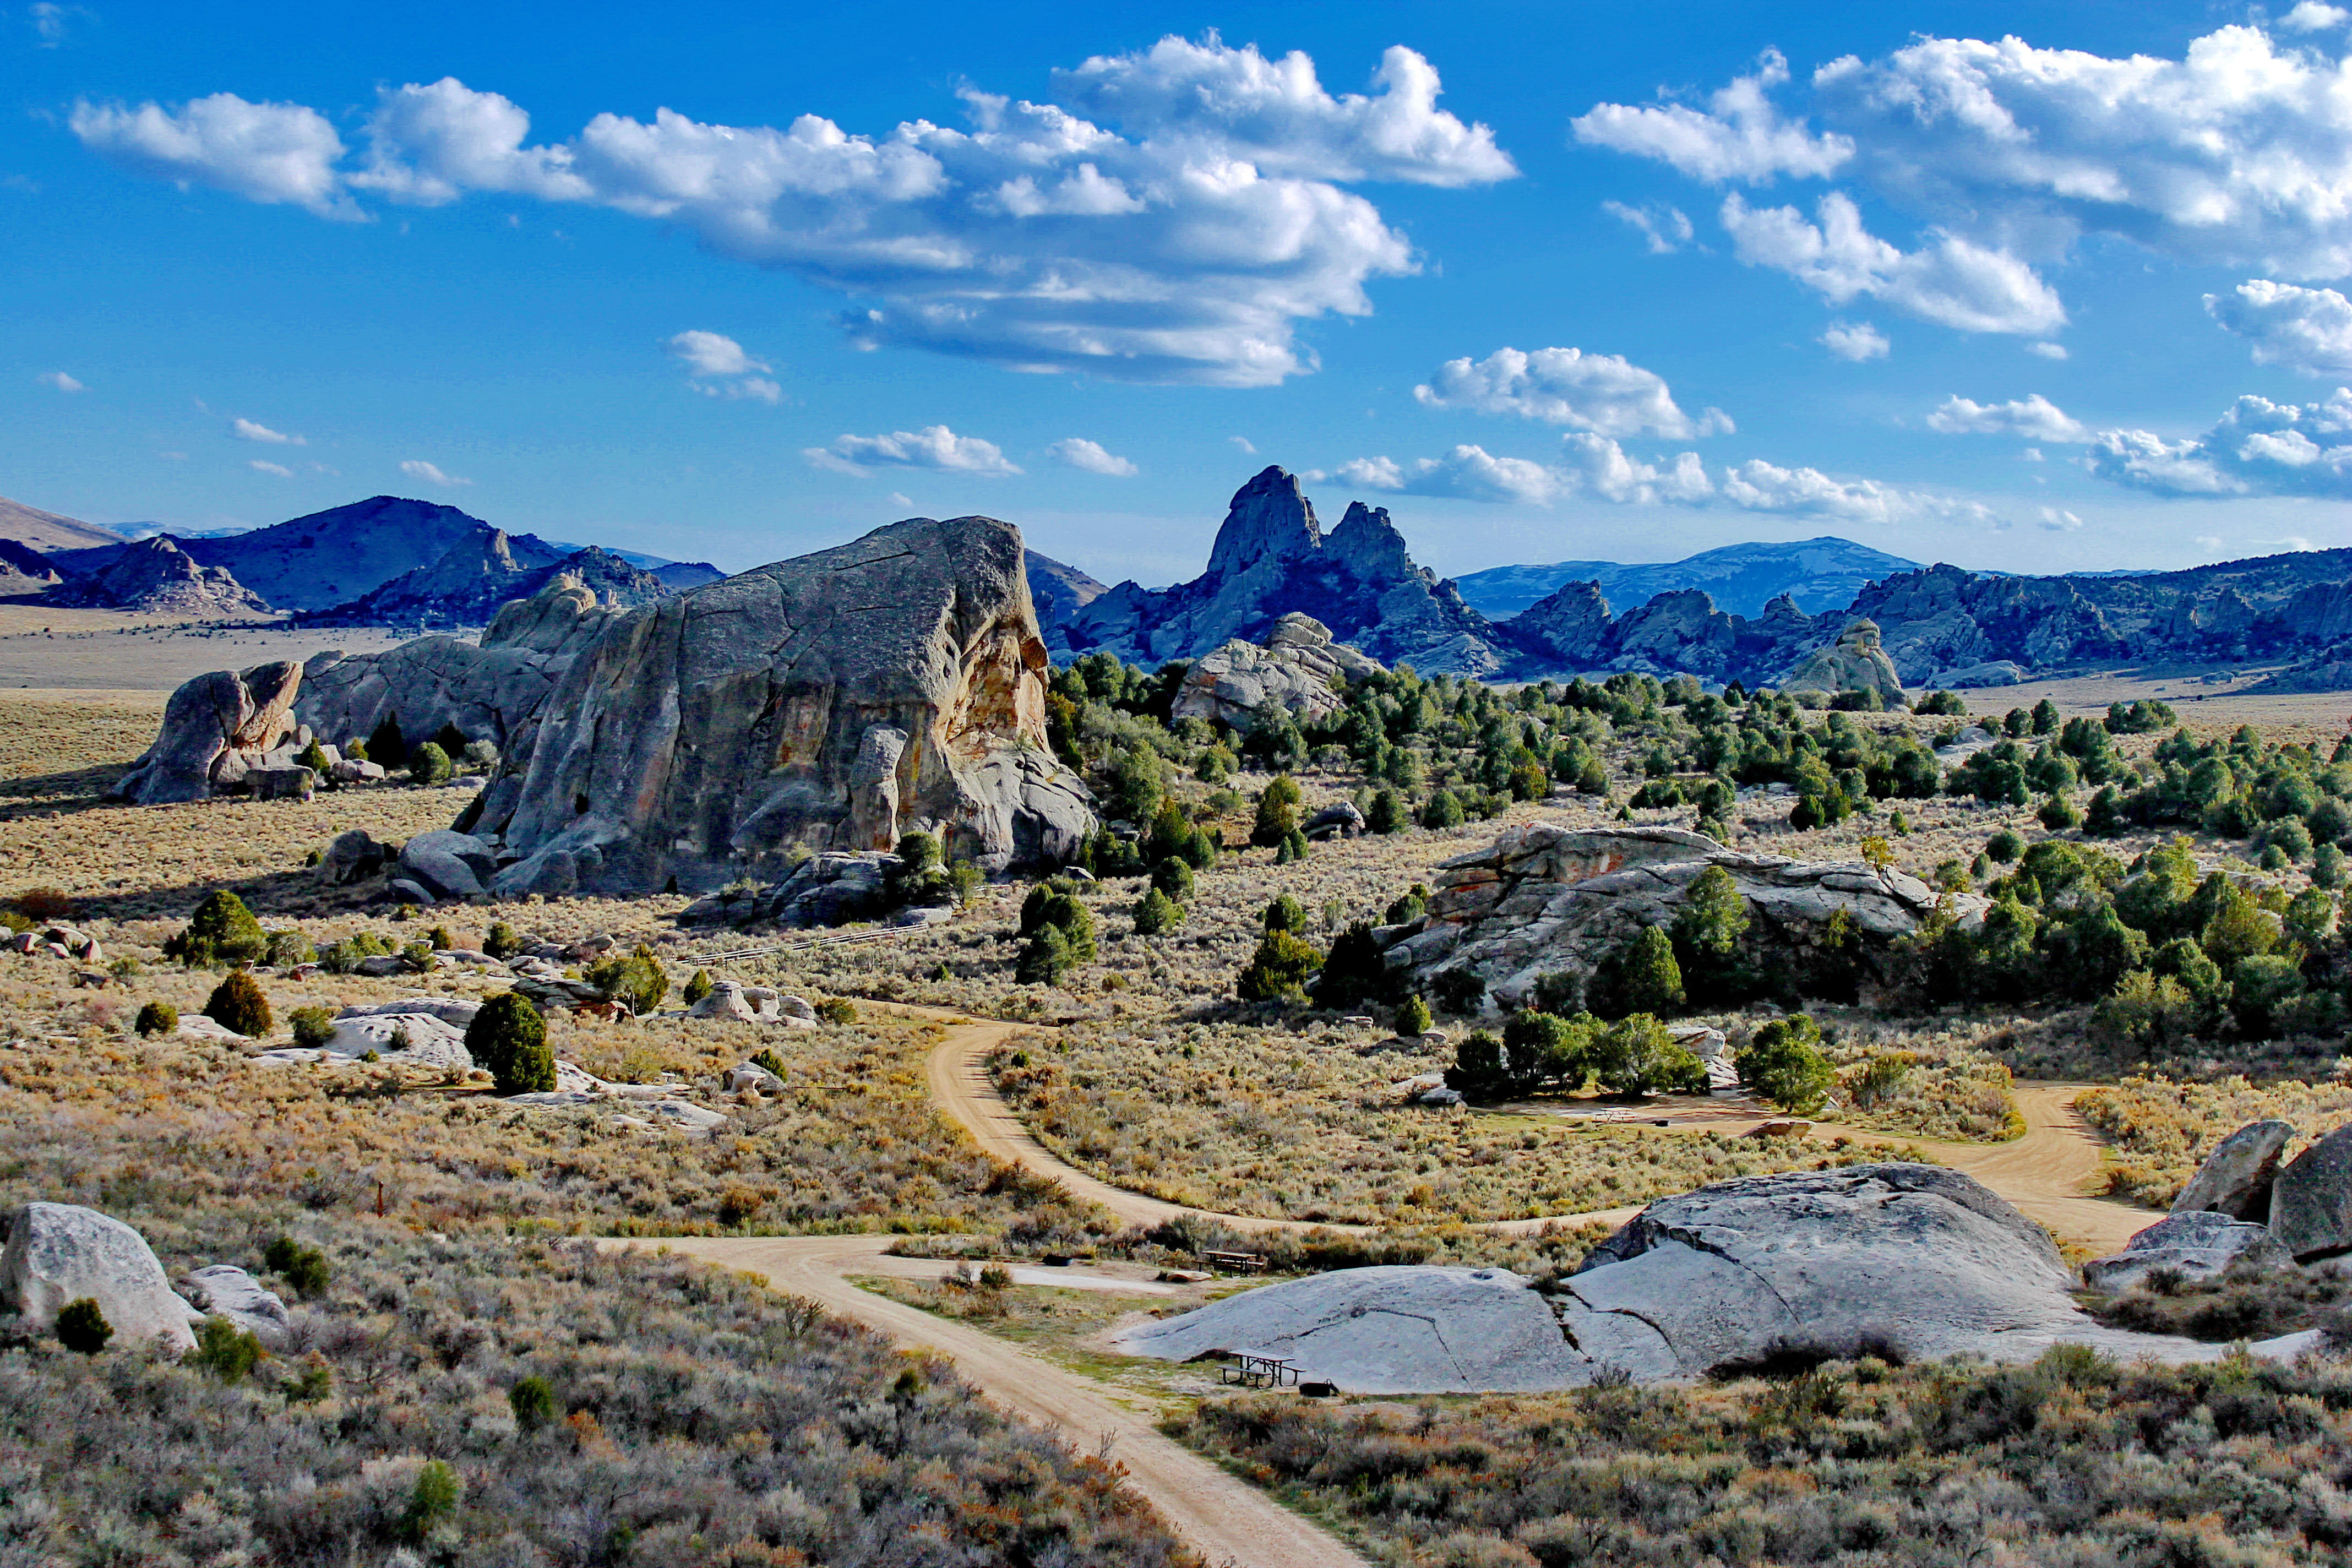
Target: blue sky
2032	286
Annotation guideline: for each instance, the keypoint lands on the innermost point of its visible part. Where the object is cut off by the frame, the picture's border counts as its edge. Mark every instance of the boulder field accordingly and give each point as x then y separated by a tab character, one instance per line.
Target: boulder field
835	701
1906	1261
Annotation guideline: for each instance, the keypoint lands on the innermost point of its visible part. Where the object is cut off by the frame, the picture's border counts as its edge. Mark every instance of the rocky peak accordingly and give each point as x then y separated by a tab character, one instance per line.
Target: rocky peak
1367	544
156	574
1270	519
1571	624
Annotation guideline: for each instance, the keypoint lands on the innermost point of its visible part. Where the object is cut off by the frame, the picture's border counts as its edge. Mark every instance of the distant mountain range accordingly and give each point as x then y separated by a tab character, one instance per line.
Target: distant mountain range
1819	574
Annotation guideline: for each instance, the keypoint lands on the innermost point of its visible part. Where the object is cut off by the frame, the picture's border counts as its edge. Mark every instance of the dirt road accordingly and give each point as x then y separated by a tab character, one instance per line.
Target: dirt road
2046	1174
1226	1520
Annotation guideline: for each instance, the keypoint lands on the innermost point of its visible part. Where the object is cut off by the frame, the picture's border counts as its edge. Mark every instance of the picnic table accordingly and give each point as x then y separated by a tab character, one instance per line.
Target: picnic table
1235	1262
1252	1371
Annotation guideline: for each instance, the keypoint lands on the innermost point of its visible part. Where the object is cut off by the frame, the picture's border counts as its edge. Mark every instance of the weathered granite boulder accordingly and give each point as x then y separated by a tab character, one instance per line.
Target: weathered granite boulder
2311	1201
1297	666
1383	1331
223	1290
2190	1243
753	1076
354	856
1914	1261
456	1011
1545	898
1855	662
409	1039
295	782
1340	820
447	865
1677	633
826	889
1569	628
215	728
2235	1178
59	1253
719	733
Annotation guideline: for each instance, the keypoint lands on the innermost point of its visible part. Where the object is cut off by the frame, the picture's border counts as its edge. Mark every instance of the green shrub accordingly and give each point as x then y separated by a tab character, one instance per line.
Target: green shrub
1173	877
1277	971
1947	704
501	943
508	1038
313	1027
532	1402
1278	811
1636	1056
222	931
314	757
82	1327
2004	847
428	764
836	1010
1443	809
1411	905
639	980
288	949
384	745
1641	977
1413	1017
1355	971
1052	904
440	939
1388	813
1044	958
228	1352
157	1018
237	1004
1784	1063
1286	913
303	1267
697	987
431	1501
1458	991
1156	913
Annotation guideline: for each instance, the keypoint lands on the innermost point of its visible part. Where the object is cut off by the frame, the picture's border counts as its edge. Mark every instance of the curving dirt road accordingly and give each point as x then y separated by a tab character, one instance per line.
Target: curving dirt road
2045	1173
1226	1520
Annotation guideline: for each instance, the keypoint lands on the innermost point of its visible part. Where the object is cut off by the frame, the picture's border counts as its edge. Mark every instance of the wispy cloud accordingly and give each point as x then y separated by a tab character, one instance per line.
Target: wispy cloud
934	447
1077	452
429	473
261	466
247	430
59	381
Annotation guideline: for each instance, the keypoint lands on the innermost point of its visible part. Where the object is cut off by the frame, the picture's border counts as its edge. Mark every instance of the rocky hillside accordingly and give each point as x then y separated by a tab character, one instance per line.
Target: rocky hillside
488	568
24	570
1817	574
1271	558
49	532
156	576
1058	592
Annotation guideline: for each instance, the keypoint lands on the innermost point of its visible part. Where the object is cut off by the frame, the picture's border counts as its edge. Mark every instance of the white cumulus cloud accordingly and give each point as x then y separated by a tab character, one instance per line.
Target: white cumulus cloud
262	152
2034	416
1950	281
1855	342
431	474
1180	235
1077	452
247	430
1759	486
59	380
1740	136
2312	16
710	354
260	467
1599	466
2258	447
2309	330
1602	393
1666	228
934	447
1466	473
2047	350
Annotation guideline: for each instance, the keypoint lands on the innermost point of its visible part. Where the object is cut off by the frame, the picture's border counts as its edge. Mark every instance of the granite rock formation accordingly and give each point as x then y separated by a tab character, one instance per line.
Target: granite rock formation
1057	591
24	570
2235	1178
485	568
217	728
59	1253
719	734
1271	557
1544	899
1855	662
2191	1244
156	576
1909	1261
2311	1200
1297	666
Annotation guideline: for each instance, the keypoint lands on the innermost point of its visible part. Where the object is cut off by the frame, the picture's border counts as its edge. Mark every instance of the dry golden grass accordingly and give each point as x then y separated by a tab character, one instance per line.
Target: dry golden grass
2162	1129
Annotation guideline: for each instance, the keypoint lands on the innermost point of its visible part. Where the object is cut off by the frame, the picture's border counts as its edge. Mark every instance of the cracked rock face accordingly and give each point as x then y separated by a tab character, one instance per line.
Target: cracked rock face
2235	1178
1389	1329
217	730
1545	899
832	701
1911	1262
1855	662
1297	666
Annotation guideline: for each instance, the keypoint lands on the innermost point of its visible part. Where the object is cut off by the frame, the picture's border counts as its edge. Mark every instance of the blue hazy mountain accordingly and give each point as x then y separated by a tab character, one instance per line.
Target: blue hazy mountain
1819	573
